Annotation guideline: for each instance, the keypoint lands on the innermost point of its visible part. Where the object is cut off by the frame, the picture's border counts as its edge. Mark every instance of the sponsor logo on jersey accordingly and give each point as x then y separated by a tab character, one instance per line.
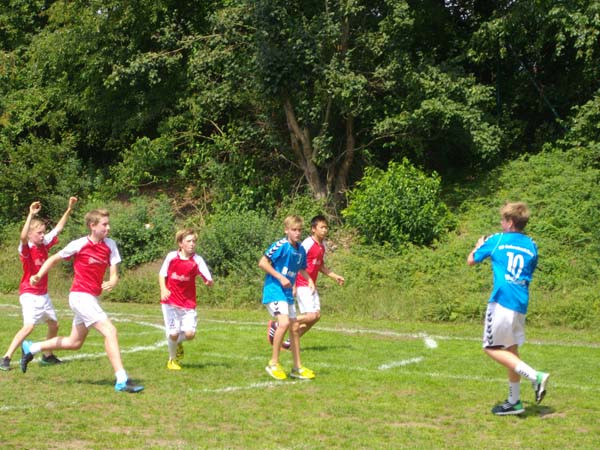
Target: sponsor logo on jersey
178	277
93	260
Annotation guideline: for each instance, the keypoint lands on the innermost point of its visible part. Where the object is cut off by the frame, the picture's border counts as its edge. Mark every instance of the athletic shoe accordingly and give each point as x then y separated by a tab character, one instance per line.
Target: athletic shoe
508	408
271	327
180	353
50	360
286	344
276	371
26	355
173	364
5	364
541	380
129	386
302	373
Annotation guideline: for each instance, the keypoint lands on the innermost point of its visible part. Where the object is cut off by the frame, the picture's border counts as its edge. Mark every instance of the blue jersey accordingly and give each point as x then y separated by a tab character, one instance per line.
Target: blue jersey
514	258
287	260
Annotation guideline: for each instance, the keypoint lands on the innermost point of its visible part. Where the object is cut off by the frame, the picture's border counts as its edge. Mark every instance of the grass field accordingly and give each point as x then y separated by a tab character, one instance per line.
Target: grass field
379	385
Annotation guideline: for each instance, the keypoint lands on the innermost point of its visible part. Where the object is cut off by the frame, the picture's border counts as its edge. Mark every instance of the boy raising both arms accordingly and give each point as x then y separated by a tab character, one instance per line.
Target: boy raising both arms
514	258
282	261
177	280
309	302
35	301
92	255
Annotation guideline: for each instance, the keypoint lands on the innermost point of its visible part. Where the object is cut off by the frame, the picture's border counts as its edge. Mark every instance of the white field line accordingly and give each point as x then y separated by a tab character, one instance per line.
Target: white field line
402	363
429	342
423	336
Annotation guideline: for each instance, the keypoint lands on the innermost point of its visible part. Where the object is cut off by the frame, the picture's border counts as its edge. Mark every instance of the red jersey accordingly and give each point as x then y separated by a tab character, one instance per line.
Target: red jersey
90	263
180	275
315	254
32	257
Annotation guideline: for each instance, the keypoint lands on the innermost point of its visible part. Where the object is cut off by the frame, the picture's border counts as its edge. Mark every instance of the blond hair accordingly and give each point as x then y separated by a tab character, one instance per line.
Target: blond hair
292	220
518	212
181	234
34	224
94	216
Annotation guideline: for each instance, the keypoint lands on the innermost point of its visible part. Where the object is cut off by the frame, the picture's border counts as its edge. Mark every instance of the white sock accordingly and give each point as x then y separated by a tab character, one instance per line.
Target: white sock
526	371
35	348
121	376
172	348
514	392
181	337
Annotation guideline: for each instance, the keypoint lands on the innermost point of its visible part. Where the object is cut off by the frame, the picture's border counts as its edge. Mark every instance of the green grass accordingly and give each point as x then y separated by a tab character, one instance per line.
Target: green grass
378	385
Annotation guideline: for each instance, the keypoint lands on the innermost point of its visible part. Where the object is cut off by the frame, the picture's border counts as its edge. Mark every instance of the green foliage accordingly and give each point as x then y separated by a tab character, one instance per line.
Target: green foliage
398	206
233	240
38	169
144	229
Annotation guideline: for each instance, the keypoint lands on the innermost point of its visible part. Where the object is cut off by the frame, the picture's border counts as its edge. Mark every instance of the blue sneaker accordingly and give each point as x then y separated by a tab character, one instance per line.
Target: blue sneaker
26	356
129	387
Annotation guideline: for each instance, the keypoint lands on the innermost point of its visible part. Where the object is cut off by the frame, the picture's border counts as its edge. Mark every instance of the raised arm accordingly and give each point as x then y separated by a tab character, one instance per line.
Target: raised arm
63	220
34	208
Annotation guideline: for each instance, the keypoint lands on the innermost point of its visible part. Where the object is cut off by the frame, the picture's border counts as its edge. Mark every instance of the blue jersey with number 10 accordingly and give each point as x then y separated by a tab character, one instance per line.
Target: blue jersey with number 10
514	259
287	259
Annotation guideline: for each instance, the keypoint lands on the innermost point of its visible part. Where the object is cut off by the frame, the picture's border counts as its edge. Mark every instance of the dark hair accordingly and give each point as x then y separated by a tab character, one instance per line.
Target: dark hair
318	218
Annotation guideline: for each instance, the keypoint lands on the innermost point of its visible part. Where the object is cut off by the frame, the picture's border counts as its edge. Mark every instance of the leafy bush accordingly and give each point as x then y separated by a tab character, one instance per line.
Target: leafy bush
232	241
398	206
144	228
37	169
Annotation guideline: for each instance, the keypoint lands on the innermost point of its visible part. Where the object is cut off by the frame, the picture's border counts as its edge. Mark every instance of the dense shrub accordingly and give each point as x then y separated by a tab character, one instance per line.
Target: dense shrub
143	228
232	241
37	169
398	206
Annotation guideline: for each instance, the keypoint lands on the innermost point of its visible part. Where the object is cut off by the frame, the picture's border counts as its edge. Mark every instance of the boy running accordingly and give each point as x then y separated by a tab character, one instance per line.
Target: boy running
35	302
177	280
92	255
282	261
309	302
514	258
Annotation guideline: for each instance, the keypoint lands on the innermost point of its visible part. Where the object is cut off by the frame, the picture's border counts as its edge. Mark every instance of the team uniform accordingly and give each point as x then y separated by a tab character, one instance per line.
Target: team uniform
90	261
35	302
179	308
514	258
287	260
308	299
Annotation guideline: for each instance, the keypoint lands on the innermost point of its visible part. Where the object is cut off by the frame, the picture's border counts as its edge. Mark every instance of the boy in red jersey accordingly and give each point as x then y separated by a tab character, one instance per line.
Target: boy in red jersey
308	299
91	255
35	302
177	280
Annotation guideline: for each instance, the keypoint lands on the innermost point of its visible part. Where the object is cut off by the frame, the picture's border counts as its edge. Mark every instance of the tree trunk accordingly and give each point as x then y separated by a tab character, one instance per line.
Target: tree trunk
302	146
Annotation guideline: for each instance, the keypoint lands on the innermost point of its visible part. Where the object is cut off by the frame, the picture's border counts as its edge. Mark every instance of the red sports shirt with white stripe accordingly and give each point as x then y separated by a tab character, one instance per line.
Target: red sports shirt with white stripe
90	261
180	275
32	257
315	254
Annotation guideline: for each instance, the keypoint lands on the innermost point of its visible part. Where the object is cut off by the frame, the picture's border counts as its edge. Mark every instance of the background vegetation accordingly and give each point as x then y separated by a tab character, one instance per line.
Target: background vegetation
409	123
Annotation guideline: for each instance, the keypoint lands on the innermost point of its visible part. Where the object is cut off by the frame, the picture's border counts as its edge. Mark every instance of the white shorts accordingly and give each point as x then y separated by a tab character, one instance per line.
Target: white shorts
178	319
277	308
503	327
86	309
308	300
37	309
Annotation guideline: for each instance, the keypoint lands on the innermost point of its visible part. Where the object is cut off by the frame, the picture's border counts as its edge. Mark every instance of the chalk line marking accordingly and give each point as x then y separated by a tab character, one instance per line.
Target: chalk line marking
402	363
